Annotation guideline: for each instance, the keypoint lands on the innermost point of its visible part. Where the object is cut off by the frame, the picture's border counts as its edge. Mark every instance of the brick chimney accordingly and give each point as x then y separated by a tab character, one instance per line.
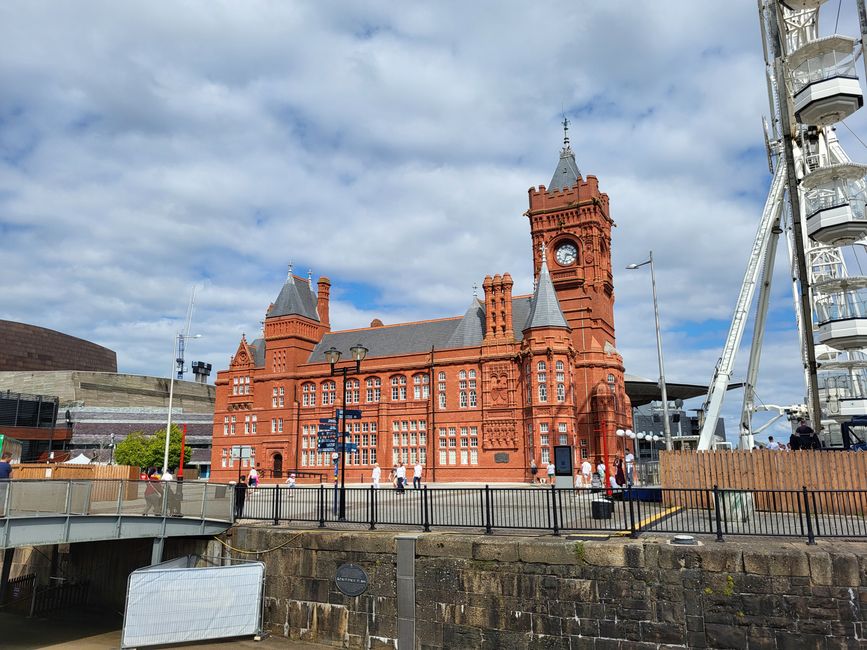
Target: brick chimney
322	297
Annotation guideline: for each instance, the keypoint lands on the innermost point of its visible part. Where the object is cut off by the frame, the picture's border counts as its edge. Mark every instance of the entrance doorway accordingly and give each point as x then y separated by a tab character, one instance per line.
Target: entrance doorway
278	465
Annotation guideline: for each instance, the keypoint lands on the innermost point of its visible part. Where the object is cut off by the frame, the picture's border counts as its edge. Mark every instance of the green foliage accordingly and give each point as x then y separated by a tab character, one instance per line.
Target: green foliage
729	589
580	552
132	450
140	450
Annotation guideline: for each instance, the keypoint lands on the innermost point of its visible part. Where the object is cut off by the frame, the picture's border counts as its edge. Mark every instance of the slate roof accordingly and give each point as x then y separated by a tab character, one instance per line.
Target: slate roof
544	307
567	172
296	297
471	330
257	347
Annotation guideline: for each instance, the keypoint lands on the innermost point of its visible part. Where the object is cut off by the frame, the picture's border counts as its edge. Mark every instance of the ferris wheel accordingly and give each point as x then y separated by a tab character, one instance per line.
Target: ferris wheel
818	202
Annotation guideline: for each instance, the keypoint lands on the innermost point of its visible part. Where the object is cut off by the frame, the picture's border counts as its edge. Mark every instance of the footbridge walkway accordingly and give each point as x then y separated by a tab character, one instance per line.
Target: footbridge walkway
45	512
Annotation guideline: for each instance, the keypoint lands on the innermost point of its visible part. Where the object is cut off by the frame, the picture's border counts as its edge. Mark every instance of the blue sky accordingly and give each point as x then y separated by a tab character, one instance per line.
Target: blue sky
145	151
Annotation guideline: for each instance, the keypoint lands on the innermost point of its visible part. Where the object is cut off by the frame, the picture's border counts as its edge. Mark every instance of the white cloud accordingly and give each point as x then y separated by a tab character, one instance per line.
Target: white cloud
144	150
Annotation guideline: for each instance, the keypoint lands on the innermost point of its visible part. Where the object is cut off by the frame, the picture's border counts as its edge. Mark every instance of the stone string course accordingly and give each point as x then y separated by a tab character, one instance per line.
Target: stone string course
551	593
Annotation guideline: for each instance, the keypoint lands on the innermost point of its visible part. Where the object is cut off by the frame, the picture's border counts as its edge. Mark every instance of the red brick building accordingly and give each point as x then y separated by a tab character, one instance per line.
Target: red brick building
474	397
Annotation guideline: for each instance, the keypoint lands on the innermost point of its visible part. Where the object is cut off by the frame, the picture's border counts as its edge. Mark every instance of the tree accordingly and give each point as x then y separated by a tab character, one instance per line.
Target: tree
133	450
140	450
157	448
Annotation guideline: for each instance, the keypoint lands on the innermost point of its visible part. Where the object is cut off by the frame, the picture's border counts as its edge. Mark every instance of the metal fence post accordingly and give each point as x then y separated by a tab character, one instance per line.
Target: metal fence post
554	509
276	504
488	526
717	514
321	506
811	538
425	510
372	507
632	532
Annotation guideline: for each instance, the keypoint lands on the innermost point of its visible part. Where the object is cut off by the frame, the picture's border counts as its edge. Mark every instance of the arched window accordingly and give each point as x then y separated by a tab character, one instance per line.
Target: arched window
374	389
308	394
352	391
398	388
329	390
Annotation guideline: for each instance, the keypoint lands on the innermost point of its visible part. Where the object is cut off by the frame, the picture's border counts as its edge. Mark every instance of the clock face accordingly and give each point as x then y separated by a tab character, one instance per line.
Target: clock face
566	254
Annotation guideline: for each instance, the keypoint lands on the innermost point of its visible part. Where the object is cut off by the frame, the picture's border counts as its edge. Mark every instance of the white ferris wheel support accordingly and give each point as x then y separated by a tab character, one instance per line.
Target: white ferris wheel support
803	143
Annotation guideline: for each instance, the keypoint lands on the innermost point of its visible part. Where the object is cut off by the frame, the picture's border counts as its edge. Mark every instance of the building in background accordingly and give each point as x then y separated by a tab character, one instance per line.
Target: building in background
63	394
472	397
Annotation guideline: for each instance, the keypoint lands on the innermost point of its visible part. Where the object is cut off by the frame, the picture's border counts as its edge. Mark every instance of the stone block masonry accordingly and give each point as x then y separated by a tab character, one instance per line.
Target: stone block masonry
476	592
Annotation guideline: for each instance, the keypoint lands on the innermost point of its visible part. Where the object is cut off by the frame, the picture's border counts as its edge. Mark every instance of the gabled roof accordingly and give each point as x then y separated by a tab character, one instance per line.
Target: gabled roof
471	330
257	349
567	172
544	307
296	298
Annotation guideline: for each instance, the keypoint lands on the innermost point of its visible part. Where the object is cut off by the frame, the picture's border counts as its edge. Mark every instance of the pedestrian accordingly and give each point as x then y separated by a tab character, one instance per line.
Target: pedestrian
253	479
172	503
291	480
375	476
630	468
5	467
794	442
533	470
619	475
240	496
815	443
586	471
805	434
550	472
392	476
773	445
416	476
153	492
401	477
600	470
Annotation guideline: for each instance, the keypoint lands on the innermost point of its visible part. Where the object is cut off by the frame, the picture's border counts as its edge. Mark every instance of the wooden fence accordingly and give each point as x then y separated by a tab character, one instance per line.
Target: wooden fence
61	472
764	471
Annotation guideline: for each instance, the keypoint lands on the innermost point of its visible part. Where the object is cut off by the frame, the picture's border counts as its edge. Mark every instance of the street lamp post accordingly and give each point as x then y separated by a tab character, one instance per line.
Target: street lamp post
181	337
666	427
358	352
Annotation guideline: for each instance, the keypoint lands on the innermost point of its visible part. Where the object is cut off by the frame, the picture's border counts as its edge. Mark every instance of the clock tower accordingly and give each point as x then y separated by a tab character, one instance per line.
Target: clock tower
570	222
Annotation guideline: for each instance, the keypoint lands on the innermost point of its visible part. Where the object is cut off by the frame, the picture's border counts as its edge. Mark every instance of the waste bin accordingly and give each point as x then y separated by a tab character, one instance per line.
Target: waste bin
601	509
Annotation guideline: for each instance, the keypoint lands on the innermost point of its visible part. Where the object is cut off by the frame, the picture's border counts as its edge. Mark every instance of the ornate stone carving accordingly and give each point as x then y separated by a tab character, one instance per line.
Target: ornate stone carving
499	434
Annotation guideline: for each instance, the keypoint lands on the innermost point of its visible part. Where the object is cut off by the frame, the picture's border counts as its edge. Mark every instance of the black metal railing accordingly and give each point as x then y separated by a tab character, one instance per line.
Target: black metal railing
711	511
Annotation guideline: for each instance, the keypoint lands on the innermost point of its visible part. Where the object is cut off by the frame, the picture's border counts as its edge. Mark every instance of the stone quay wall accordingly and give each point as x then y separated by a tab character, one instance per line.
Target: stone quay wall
474	592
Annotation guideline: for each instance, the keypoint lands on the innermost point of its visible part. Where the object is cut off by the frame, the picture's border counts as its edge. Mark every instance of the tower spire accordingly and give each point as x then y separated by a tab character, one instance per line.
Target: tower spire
566	147
289	271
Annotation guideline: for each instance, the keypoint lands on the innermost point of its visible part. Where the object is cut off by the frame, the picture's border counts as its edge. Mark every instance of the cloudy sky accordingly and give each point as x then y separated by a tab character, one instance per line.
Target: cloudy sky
147	148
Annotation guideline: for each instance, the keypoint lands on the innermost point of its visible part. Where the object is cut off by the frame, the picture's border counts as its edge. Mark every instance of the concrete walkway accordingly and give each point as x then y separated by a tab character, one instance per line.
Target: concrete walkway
89	632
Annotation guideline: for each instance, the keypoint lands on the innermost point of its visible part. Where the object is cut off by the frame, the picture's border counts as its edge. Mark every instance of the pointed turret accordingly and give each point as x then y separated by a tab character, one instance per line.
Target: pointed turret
544	307
567	173
296	298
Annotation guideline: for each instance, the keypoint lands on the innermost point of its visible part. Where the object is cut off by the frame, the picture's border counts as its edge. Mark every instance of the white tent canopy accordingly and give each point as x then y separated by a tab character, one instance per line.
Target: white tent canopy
81	459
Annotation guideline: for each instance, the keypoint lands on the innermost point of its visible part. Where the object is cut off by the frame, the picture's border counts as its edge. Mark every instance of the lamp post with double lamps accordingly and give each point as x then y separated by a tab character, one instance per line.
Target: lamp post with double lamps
332	355
666	427
180	339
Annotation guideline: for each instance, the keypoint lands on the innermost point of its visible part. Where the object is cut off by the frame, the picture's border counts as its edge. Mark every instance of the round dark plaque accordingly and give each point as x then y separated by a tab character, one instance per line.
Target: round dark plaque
351	579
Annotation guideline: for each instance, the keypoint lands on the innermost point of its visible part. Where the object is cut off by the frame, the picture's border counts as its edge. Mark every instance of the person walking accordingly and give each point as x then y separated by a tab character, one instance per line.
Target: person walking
773	445
586	471
534	469
152	493
291	480
240	496
416	476
173	505
805	433
376	475
253	479
550	472
401	477
630	469
619	475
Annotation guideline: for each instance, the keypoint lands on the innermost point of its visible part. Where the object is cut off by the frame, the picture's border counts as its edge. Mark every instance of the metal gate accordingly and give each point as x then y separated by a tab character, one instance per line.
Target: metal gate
177	602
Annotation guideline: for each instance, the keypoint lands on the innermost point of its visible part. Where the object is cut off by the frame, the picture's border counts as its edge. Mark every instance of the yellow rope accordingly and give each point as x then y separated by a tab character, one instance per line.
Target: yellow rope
238	550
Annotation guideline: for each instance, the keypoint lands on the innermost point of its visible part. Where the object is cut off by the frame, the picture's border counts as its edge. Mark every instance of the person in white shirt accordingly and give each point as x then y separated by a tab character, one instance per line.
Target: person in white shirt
773	445
416	476
376	475
586	471
401	477
550	472
291	480
172	504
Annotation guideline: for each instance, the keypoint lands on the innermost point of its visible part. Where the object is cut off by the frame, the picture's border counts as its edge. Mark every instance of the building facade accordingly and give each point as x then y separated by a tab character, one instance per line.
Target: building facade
474	397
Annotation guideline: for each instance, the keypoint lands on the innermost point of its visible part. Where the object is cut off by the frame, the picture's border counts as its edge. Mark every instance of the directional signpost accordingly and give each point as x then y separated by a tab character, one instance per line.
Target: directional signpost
348	414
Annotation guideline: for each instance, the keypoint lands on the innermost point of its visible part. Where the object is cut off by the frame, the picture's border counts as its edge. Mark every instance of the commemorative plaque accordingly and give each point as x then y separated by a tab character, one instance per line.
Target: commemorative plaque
351	579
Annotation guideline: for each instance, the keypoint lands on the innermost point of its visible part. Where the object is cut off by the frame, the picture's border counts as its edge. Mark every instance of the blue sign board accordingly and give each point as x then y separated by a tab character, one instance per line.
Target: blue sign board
349	414
327	427
328	421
